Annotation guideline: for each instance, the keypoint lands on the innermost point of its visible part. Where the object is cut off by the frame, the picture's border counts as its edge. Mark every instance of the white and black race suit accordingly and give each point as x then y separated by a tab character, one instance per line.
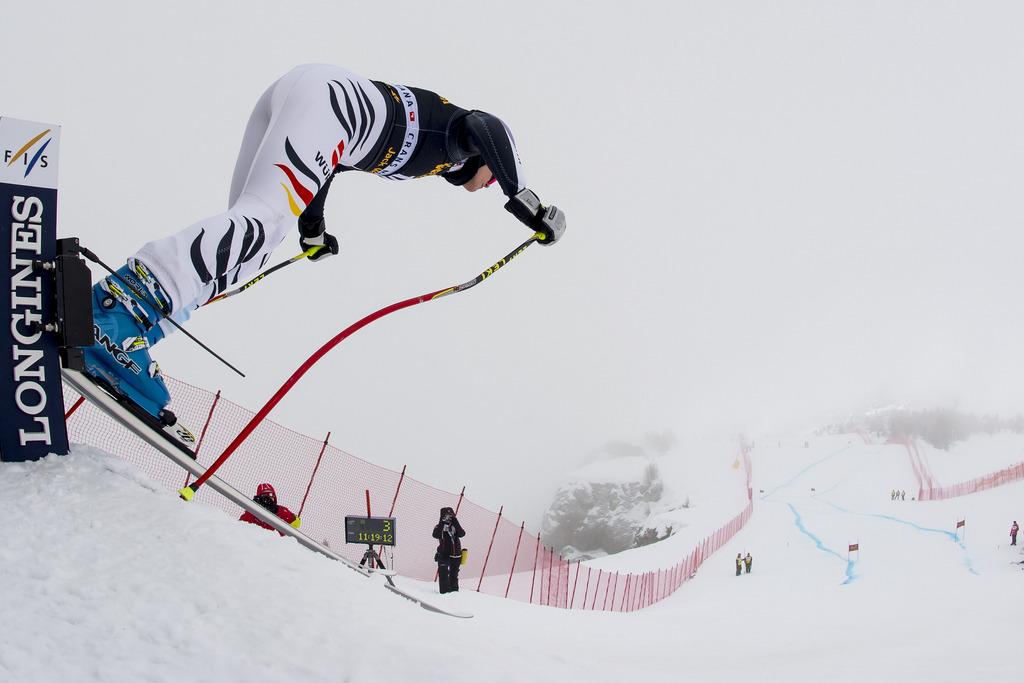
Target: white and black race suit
310	125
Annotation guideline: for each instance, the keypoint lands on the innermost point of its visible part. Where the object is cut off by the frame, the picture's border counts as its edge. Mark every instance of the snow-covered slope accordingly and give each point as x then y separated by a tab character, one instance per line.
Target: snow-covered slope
106	577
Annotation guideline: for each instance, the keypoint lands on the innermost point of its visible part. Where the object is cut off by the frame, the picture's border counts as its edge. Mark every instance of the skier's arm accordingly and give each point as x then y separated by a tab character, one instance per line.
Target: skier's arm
313	230
488	136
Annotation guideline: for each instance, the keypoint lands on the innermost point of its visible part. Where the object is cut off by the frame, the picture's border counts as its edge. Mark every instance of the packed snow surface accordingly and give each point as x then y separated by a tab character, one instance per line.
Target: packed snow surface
108	577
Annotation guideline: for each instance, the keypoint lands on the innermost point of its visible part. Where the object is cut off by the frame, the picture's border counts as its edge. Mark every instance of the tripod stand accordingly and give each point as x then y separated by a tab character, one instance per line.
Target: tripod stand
372	556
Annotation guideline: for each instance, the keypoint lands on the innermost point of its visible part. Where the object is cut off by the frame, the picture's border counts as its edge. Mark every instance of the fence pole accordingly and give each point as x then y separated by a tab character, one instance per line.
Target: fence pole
458	505
302	506
597	588
558	580
574	582
398	488
368	515
491	545
586	589
551	560
568	565
614	588
71	411
625	591
533	581
202	434
561	561
516	555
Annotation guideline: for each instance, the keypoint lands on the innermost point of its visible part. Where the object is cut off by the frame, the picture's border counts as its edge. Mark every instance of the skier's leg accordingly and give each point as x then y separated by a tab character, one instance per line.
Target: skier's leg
443	584
255	132
292	142
125	324
274	179
455	563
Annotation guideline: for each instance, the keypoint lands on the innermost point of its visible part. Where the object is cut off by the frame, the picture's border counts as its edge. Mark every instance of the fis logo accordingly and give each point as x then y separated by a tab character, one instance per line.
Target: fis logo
31	153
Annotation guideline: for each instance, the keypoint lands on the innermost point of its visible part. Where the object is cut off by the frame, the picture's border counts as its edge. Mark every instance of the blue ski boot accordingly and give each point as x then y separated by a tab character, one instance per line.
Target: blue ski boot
125	324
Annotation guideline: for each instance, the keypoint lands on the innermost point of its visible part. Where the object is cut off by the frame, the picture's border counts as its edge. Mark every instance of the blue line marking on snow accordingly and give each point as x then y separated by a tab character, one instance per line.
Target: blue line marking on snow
804	471
948	534
850	575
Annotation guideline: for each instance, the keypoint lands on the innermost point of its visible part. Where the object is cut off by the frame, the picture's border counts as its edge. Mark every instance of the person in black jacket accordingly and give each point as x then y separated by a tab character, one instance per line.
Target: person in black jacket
448	531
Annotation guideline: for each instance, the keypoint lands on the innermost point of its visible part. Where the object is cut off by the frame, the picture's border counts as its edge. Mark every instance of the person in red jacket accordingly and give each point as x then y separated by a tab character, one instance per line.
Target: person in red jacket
1013	533
266	496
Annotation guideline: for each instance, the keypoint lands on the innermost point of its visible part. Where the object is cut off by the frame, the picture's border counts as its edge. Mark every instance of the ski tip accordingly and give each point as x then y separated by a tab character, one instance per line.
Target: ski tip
186	493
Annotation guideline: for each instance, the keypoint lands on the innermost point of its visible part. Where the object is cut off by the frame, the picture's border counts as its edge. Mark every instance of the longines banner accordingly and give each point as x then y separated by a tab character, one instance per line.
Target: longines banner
31	396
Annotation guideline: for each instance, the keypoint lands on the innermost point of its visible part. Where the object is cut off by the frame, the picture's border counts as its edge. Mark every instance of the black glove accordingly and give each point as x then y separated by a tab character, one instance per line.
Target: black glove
314	234
547	220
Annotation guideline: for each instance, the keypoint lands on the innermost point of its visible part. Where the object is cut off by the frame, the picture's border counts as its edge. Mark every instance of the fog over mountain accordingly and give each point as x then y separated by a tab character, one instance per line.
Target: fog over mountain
777	213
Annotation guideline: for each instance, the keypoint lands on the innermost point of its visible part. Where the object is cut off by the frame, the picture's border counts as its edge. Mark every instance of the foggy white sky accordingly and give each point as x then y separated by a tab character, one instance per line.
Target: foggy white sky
776	211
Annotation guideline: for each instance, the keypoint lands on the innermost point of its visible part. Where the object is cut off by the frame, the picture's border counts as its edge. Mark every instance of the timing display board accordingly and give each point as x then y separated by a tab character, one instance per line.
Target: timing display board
370	530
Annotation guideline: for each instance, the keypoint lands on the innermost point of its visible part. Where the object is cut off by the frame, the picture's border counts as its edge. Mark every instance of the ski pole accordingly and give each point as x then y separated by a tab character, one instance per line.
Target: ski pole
309	252
142	295
189	491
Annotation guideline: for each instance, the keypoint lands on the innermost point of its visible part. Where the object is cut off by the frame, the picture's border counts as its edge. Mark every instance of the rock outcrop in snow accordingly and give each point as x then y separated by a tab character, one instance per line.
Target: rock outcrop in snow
611	505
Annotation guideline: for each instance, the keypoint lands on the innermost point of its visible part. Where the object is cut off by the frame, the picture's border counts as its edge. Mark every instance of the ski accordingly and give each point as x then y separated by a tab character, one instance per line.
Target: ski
147	428
177	434
430	607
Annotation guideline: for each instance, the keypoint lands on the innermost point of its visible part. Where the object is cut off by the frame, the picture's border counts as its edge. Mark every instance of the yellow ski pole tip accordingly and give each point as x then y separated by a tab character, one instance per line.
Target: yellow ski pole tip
186	493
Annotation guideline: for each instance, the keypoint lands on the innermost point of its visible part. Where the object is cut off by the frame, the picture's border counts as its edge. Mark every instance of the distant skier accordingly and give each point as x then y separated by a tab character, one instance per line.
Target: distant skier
739	564
1013	533
748	562
266	497
313	123
448	532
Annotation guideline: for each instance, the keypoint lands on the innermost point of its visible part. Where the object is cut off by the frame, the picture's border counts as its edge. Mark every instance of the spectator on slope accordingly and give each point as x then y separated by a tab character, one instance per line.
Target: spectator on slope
892	494
903	495
1013	533
739	564
266	497
448	531
748	562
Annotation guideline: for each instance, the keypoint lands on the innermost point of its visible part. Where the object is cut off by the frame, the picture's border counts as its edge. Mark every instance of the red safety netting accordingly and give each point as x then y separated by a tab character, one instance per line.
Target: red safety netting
929	488
323	484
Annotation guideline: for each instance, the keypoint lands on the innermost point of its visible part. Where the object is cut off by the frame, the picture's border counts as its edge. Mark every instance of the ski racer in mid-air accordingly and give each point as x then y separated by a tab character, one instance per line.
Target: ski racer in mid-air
313	123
